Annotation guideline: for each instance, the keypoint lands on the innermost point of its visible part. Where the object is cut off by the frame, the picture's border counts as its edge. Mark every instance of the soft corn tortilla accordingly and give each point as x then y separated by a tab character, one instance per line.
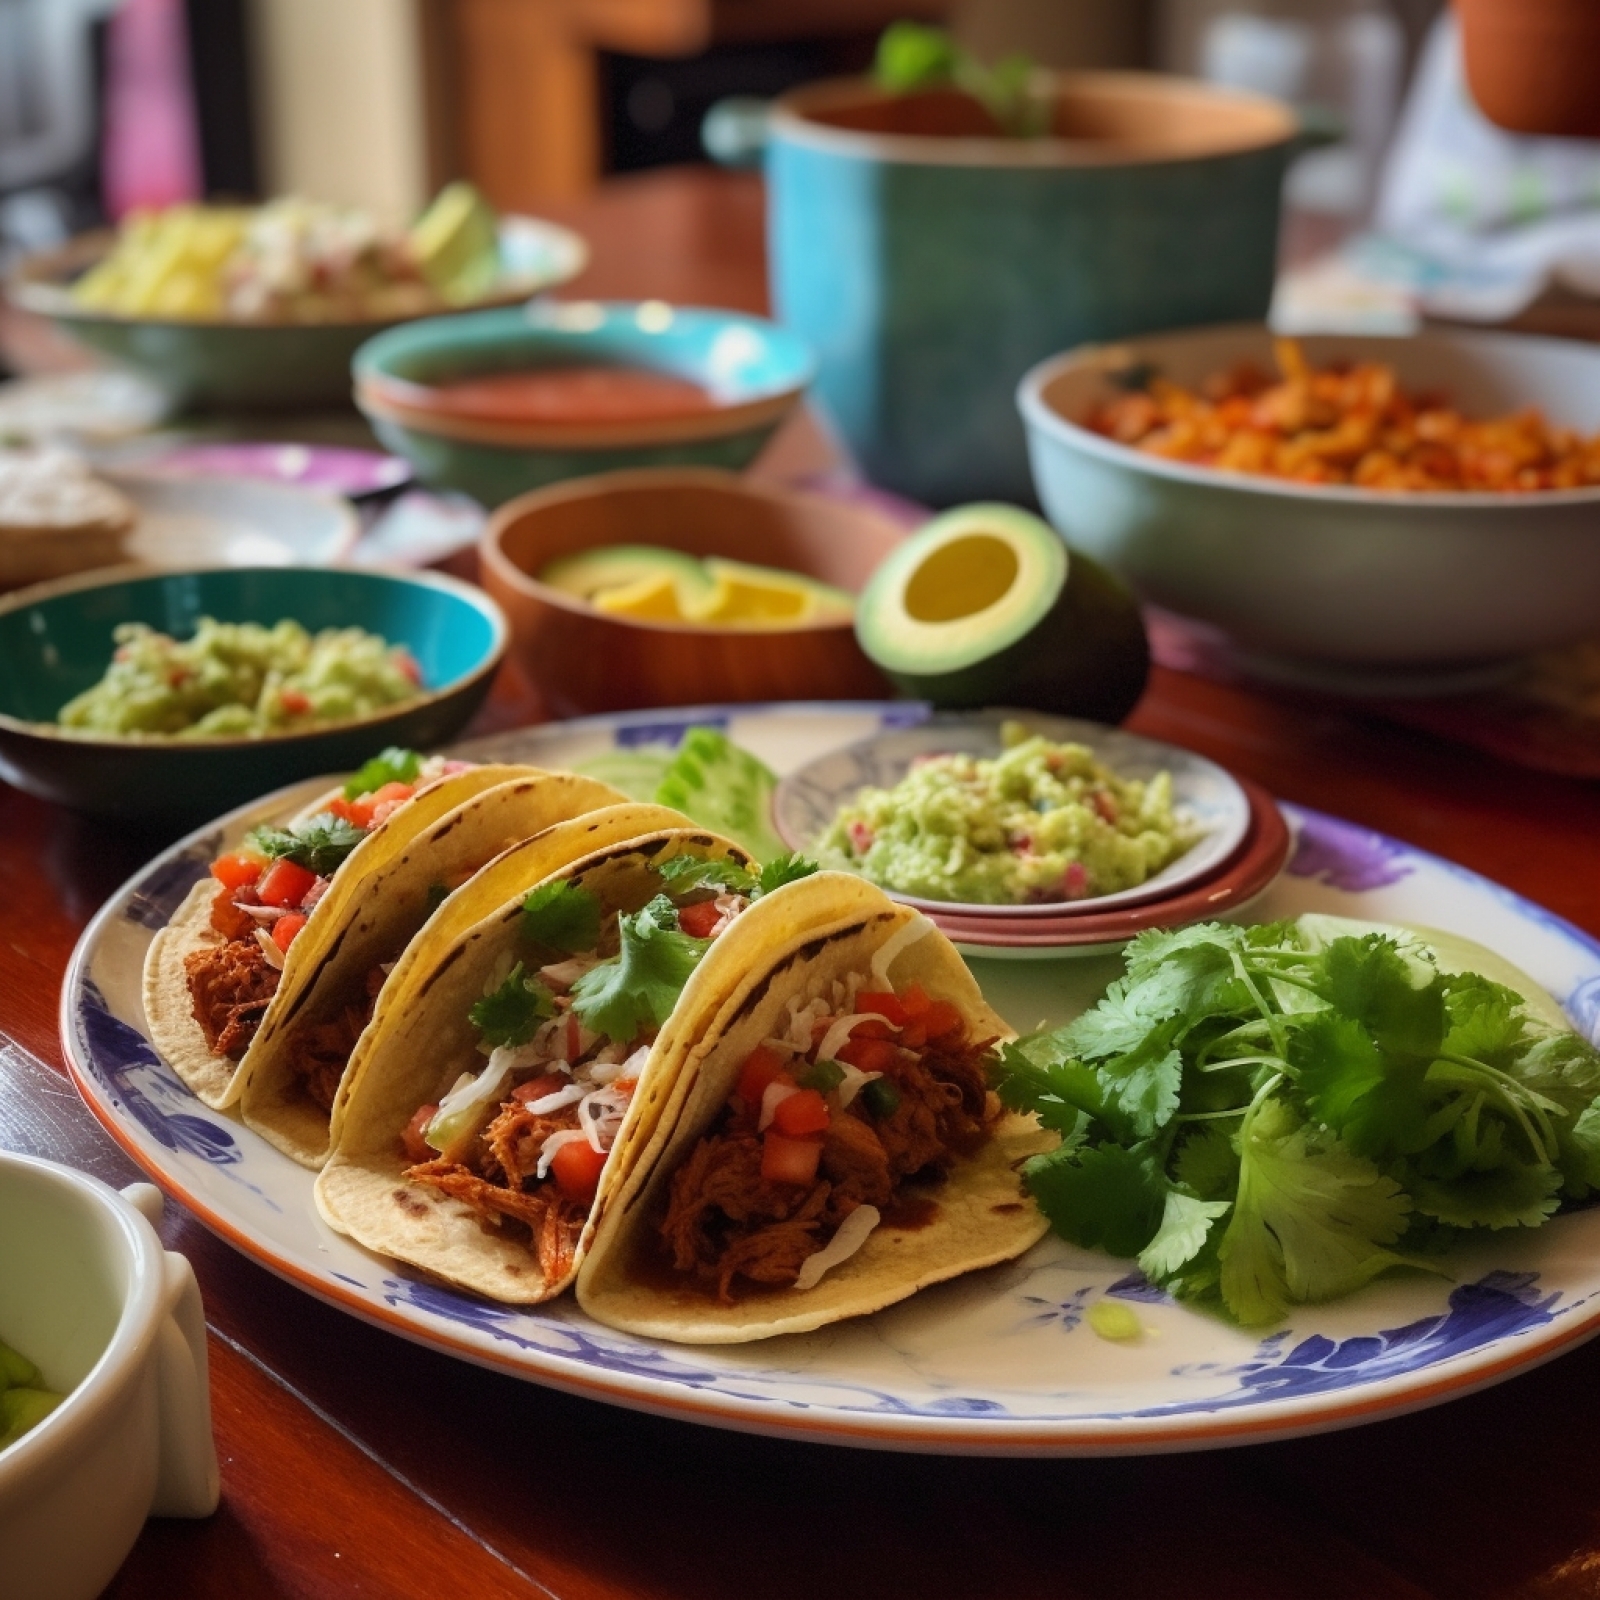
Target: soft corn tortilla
826	926
391	914
218	1080
426	1041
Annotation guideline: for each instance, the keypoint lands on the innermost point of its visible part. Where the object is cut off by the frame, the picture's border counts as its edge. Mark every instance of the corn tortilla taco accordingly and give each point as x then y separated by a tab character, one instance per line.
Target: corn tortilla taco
523	1063
247	934
831	1146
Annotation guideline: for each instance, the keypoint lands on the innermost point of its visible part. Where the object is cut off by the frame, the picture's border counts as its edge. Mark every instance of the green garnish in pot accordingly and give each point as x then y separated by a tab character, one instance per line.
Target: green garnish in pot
1275	1115
24	1401
912	55
822	1076
562	916
723	788
880	1097
511	1014
638	987
392	765
320	843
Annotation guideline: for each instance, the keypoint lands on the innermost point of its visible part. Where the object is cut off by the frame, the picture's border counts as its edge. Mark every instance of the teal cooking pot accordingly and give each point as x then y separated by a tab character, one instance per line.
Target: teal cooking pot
929	262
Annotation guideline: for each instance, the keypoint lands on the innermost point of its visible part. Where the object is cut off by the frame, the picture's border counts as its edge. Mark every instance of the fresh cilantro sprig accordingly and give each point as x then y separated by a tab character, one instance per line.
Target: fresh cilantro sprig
912	55
638	987
1274	1115
392	765
511	1014
320	843
682	875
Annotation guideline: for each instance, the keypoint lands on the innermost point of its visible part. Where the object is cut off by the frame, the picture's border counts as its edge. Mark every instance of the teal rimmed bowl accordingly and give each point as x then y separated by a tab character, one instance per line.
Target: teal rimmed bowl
55	641
755	370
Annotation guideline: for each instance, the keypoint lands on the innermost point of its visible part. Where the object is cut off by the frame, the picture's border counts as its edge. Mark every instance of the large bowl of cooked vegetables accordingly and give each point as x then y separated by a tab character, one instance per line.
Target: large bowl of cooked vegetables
1360	509
170	696
263	306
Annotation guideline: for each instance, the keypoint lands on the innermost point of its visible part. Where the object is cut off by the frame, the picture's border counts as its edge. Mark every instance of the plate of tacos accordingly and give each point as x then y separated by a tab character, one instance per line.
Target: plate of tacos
592	1091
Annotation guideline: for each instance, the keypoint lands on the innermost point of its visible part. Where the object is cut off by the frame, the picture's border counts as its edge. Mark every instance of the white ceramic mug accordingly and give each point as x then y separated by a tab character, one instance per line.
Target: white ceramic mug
115	1322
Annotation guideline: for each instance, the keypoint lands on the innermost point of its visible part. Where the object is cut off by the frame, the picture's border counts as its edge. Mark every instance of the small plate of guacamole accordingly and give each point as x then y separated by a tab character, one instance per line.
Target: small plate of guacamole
997	813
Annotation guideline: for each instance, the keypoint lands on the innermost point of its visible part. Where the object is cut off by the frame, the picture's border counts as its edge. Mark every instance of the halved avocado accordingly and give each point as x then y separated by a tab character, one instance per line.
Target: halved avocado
985	606
622	566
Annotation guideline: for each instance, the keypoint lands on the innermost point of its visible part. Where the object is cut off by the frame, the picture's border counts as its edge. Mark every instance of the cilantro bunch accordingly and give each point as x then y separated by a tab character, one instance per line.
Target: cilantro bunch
1273	1115
320	843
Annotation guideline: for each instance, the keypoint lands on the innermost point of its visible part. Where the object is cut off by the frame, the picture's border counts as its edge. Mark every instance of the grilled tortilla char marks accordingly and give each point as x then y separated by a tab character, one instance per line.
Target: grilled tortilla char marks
230	987
724	1221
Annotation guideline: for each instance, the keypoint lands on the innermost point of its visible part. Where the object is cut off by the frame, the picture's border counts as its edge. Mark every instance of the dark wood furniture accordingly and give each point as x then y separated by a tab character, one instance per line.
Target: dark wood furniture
355	1463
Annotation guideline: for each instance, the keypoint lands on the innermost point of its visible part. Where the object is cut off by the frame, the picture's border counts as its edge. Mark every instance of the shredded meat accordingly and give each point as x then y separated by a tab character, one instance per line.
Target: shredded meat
553	1222
230	987
227	917
320	1051
725	1221
516	1137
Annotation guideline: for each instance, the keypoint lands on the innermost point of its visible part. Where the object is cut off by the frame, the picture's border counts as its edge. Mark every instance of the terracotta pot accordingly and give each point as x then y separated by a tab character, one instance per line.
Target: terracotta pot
584	660
1533	66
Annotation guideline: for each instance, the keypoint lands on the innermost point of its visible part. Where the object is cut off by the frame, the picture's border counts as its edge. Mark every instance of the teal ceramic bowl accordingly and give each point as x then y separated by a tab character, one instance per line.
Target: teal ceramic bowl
55	640
755	370
225	366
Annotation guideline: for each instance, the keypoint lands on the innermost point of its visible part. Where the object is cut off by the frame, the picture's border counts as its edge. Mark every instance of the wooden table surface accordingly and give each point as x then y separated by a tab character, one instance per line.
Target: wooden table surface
355	1463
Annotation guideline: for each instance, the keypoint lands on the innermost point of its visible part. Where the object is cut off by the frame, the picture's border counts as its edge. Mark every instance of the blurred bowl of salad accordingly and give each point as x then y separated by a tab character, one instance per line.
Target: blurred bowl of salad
169	697
240	307
503	402
105	1413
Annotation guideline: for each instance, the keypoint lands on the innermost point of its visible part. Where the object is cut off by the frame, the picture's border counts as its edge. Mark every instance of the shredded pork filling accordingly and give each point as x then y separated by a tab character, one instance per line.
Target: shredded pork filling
725	1221
230	988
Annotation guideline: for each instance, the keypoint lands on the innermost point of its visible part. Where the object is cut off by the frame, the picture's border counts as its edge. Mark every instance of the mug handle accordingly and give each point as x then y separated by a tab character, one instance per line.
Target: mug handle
734	131
188	1481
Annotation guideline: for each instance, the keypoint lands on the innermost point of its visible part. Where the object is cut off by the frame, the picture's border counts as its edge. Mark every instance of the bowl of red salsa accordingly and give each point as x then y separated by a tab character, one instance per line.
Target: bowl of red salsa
497	403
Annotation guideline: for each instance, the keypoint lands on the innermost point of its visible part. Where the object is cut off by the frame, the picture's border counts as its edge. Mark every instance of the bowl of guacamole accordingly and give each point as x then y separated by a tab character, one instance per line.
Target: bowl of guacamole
990	813
169	697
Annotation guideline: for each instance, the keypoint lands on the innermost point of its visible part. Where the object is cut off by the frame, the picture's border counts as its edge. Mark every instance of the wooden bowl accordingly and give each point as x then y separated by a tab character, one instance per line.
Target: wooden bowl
585	660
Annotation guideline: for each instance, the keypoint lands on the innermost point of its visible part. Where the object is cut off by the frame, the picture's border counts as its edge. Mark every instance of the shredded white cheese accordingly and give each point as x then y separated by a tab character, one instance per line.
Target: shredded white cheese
569	1094
601	1112
855	1080
273	954
851	1235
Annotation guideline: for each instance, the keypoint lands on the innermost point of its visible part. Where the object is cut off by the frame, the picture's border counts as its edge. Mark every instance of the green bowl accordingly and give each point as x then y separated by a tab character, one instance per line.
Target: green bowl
757	370
55	641
228	366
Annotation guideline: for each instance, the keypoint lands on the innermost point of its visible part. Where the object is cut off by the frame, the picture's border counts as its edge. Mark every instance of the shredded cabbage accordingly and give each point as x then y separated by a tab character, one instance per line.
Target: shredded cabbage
851	1235
835	1039
904	936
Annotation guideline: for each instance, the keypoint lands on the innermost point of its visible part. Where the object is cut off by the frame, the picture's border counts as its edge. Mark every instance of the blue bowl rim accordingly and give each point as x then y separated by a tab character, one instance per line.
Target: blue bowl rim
372	356
105	577
1042	418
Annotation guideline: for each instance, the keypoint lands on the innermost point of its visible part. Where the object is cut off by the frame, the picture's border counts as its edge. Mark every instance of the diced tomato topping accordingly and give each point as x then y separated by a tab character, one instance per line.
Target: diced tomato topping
884	1003
914	1035
943	1018
761	1066
576	1167
871	1028
237	870
786	1160
407	665
698	920
914	1000
868	1055
1105	805
538	1088
412	1143
285	928
285	883
341	807
294	702
1075	880
804	1111
368	810
860	837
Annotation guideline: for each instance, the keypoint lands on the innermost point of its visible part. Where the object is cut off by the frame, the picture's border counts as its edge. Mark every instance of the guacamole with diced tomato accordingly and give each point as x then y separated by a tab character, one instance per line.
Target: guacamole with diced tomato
1039	822
239	679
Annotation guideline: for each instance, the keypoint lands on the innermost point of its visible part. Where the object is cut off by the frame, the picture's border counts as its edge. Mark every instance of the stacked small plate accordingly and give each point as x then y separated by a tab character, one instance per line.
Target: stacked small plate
1242	846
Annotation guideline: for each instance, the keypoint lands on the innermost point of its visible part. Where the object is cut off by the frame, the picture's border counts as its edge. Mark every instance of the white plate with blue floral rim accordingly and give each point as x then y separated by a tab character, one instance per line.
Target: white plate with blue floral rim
1206	798
1002	1362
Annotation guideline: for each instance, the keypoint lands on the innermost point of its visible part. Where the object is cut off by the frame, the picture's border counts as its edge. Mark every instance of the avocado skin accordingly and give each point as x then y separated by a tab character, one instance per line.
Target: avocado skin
1087	657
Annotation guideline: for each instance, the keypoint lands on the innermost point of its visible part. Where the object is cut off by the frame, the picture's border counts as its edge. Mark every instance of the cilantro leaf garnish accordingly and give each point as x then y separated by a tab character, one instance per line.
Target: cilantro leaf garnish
562	915
392	765
682	875
638	987
512	1013
780	870
319	843
1343	1104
